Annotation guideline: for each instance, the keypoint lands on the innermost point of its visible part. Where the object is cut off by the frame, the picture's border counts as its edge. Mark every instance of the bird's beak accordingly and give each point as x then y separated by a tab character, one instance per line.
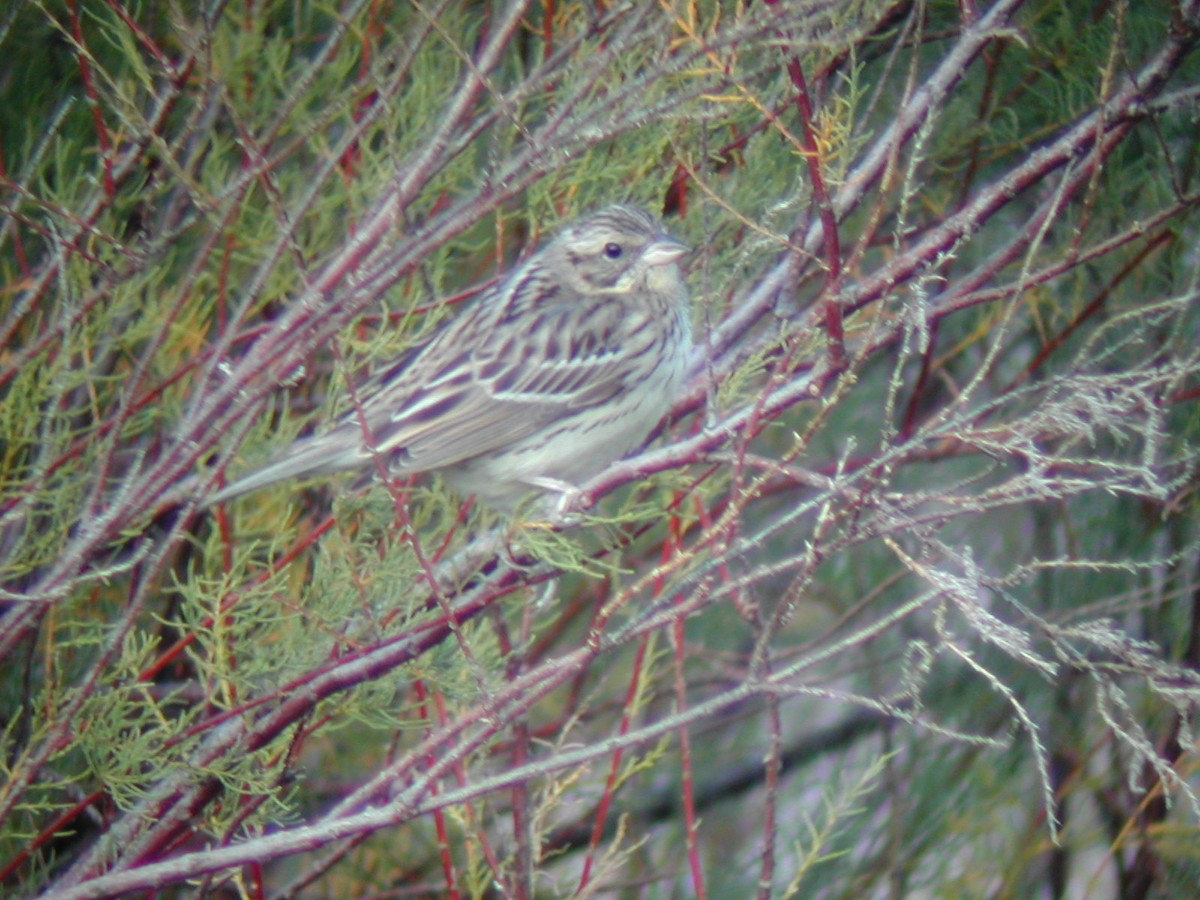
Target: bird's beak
665	250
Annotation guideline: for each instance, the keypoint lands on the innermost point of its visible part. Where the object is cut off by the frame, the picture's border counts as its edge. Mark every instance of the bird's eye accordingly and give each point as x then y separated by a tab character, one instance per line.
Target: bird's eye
613	250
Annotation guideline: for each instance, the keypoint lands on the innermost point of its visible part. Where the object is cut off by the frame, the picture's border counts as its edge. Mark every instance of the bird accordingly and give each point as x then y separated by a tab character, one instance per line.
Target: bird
565	365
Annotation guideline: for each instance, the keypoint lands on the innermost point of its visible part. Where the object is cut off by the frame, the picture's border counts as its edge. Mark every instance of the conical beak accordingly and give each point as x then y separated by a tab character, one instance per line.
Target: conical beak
665	250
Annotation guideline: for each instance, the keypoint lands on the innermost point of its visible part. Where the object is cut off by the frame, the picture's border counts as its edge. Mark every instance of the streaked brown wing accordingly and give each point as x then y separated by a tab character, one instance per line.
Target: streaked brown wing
487	398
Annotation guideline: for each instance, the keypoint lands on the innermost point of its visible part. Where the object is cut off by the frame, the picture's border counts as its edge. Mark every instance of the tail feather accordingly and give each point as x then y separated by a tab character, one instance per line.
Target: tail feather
324	454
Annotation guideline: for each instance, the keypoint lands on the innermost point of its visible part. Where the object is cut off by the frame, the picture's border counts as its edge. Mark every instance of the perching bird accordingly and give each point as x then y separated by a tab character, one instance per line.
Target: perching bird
564	366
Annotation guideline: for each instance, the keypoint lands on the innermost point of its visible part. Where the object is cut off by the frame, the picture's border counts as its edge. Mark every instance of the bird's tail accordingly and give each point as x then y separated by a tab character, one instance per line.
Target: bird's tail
324	454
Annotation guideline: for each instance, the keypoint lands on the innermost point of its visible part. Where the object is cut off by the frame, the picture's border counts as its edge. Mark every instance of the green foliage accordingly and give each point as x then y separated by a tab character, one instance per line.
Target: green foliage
941	580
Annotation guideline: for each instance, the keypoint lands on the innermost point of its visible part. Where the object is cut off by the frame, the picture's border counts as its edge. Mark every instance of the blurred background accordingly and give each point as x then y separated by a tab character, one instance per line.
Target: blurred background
901	601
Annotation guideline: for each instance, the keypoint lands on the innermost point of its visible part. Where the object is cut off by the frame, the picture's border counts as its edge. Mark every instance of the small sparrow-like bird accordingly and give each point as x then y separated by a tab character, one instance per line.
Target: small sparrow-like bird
566	365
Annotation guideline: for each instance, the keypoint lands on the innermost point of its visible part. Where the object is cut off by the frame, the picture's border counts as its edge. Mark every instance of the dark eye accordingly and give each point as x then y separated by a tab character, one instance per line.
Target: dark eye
613	250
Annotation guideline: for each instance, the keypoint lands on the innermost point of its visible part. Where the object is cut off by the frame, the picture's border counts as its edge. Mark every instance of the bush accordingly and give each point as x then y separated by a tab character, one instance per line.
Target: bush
902	598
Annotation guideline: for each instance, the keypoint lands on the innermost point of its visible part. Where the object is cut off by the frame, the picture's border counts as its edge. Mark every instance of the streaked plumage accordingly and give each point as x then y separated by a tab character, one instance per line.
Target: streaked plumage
564	366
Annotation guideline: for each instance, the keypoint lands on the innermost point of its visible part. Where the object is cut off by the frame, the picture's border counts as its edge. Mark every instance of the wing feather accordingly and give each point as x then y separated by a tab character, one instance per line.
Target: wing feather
499	392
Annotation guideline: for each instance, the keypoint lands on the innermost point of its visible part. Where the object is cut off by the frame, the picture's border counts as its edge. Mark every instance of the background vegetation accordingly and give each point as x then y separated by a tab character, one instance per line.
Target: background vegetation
902	602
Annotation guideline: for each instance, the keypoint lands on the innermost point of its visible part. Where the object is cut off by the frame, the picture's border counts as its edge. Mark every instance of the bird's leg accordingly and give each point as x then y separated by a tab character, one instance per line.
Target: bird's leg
568	494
